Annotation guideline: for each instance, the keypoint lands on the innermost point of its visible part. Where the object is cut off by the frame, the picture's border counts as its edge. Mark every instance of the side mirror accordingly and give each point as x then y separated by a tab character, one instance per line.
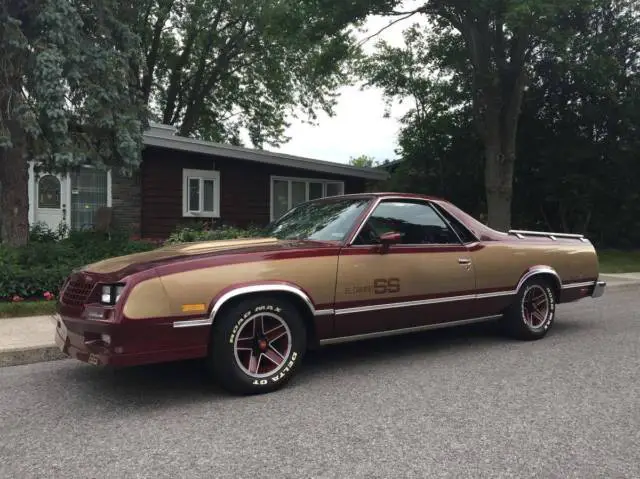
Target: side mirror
387	239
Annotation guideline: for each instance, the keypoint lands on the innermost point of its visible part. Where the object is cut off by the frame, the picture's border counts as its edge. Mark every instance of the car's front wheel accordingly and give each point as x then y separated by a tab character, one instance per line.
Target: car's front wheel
533	312
257	344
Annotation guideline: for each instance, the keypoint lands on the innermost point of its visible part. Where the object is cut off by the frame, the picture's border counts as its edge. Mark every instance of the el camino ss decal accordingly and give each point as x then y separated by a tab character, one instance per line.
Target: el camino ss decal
378	286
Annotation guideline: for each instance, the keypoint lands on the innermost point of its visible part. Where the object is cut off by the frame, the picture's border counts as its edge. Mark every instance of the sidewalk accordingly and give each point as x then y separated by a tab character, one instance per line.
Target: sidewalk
27	340
31	339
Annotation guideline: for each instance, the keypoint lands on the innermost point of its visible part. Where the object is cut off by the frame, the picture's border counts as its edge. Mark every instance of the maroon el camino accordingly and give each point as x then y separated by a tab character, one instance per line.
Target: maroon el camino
337	269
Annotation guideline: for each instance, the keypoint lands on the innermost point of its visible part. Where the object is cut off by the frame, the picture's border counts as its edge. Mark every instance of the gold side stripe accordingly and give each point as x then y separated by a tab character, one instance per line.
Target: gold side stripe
415	329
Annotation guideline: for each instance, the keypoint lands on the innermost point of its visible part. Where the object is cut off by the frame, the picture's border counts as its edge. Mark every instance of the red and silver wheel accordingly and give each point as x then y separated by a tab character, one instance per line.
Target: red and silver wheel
532	313
535	306
257	344
262	344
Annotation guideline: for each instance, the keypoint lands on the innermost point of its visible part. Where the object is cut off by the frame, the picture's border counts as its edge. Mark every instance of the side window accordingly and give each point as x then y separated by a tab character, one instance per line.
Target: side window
463	233
417	223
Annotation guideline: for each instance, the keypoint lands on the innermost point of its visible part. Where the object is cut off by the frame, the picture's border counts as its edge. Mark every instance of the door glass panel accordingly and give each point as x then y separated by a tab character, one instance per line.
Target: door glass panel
298	192
49	192
208	195
280	200
418	223
194	194
315	191
88	194
334	189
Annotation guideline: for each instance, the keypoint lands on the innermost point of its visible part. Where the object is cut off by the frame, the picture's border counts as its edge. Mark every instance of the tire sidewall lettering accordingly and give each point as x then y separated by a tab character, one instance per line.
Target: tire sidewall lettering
257	309
552	306
291	361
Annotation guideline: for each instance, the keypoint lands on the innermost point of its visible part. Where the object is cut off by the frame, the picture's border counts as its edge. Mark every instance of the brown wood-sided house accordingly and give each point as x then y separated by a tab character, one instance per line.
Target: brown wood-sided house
183	180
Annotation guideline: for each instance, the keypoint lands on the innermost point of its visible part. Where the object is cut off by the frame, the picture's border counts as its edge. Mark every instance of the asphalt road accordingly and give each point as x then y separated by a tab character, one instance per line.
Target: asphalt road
454	403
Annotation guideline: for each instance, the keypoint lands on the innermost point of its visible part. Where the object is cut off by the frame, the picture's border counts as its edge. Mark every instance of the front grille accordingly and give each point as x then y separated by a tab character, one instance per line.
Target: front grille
77	292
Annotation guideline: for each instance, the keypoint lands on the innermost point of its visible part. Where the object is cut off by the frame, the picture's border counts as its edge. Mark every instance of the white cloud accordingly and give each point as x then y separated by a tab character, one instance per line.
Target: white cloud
358	126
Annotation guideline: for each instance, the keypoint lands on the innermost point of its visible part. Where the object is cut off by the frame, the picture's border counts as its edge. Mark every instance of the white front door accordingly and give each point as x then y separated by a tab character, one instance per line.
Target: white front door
51	200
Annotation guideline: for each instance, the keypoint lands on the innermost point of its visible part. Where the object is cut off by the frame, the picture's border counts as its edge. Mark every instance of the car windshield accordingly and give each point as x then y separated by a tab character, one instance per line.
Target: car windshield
324	220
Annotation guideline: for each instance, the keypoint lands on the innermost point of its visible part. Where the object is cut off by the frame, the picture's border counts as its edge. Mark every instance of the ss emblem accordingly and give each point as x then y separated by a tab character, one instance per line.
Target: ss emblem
386	285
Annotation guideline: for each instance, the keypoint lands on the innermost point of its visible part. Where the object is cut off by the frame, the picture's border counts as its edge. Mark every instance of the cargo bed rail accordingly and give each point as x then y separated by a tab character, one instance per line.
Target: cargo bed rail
548	234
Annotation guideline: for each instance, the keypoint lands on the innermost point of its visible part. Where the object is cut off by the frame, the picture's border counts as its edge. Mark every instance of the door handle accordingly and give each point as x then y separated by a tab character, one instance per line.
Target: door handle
464	261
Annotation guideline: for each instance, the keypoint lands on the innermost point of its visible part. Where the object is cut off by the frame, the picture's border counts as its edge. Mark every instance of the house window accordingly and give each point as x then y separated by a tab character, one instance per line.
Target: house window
49	192
201	193
289	192
89	193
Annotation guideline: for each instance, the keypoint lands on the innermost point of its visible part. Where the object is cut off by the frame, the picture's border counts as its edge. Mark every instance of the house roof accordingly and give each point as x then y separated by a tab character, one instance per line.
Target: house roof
164	136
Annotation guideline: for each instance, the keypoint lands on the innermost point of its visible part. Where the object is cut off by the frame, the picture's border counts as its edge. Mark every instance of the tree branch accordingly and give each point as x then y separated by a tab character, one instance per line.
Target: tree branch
389	25
152	57
394	13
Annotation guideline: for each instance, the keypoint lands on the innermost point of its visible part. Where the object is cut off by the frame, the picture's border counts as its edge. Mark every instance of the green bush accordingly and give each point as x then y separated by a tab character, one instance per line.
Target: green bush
43	264
191	234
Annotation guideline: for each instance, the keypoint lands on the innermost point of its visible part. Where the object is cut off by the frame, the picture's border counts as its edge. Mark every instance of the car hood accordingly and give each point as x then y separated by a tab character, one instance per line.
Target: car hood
140	261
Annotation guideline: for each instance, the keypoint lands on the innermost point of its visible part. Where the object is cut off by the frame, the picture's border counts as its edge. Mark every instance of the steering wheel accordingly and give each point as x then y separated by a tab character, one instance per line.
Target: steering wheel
367	235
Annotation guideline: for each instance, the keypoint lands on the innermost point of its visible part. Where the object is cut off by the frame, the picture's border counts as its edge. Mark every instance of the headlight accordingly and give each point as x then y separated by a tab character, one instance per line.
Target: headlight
111	293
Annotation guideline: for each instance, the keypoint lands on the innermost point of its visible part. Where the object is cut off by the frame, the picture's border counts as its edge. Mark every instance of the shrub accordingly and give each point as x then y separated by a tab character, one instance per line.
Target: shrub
190	234
42	265
41	233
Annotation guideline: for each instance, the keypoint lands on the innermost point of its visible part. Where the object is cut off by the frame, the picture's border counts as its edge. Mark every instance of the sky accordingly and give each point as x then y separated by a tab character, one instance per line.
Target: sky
358	126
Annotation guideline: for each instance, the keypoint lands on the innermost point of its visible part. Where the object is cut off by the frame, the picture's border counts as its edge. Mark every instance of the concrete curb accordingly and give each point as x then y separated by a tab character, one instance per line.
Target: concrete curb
37	354
22	356
622	286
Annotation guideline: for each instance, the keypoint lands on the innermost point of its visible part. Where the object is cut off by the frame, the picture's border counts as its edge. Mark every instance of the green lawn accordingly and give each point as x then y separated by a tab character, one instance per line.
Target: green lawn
614	261
27	308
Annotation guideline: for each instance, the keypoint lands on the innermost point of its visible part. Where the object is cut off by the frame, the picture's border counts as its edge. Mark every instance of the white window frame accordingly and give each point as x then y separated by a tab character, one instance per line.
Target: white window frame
201	175
290	180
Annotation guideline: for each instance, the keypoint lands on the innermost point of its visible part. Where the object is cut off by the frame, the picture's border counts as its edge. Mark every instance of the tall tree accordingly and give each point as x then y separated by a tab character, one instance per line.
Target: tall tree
579	141
363	161
578	144
214	68
499	39
67	95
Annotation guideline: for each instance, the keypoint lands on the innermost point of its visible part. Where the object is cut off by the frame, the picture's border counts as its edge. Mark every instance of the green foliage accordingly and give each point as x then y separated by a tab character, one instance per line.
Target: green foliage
615	261
41	233
578	140
487	48
363	161
68	74
68	95
214	68
31	270
191	234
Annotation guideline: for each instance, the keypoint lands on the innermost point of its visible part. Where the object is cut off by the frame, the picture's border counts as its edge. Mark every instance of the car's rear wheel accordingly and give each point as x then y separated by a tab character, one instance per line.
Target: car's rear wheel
533	311
257	344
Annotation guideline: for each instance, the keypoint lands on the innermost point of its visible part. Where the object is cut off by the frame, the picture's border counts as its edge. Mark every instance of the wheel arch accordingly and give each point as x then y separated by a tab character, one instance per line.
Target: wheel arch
543	271
298	297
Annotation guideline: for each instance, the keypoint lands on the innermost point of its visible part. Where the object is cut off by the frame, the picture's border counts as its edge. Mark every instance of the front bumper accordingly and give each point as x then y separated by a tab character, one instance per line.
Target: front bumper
127	344
598	289
85	342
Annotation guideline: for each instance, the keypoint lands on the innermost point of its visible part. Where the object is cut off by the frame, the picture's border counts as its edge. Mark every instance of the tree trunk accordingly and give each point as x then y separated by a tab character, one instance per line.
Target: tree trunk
499	188
500	159
14	197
